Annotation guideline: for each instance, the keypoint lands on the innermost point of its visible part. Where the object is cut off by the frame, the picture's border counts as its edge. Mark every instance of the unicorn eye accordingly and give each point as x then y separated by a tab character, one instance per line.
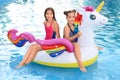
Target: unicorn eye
93	17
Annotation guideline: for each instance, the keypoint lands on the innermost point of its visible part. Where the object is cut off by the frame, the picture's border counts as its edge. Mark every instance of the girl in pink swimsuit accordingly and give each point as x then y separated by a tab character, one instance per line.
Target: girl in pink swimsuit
52	31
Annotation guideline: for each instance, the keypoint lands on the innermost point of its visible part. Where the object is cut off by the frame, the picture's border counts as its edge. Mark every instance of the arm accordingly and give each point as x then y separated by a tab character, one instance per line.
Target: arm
44	23
66	34
57	29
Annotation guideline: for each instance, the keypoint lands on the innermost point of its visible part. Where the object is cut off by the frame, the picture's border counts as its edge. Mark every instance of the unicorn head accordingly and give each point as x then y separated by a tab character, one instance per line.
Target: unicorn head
91	18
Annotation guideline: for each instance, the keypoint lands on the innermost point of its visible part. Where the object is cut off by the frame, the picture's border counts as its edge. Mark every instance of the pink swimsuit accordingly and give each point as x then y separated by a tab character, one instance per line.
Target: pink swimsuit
50	33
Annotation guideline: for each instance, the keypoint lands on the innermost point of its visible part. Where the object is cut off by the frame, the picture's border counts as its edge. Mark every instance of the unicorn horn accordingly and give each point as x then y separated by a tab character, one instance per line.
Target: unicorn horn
98	9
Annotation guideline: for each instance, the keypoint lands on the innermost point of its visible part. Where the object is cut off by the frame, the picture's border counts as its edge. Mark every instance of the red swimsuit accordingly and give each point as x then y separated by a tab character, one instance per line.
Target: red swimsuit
50	33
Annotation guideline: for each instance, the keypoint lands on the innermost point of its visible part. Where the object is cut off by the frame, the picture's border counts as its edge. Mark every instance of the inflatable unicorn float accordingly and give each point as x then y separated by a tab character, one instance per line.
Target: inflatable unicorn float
59	52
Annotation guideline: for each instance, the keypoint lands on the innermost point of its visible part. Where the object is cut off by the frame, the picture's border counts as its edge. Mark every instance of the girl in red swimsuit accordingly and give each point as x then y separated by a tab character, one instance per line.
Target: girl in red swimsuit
52	31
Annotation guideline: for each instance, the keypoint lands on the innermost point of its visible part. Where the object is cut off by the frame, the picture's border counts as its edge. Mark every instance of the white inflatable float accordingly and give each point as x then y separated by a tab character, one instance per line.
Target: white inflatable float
90	19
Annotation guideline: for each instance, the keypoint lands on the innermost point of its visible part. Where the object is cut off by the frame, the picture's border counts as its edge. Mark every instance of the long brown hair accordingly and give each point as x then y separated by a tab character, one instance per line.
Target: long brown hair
49	8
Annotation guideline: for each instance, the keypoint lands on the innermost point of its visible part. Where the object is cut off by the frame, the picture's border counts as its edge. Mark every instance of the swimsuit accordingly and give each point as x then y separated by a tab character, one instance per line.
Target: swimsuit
50	33
71	33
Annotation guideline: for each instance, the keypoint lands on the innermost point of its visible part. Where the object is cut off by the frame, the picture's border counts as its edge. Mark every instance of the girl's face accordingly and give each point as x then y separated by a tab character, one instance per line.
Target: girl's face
49	15
71	18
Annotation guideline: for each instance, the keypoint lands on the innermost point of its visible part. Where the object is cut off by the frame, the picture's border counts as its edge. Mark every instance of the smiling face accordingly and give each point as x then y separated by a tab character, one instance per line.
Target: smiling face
49	15
71	18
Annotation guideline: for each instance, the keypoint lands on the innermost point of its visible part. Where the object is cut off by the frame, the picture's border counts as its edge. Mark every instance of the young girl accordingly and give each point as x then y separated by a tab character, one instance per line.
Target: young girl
52	31
69	34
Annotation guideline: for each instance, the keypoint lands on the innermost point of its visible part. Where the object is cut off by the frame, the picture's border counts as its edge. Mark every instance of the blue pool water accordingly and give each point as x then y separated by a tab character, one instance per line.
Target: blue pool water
23	15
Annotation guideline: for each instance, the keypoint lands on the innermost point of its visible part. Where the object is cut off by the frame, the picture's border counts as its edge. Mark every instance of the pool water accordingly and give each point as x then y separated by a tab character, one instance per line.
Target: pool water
28	15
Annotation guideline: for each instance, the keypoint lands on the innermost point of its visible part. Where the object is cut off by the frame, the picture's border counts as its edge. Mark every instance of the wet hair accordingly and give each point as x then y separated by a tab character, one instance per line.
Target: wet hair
49	8
70	11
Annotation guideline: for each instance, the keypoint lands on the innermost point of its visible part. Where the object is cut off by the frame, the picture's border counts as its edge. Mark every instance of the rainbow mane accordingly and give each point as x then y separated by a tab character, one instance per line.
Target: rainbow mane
78	20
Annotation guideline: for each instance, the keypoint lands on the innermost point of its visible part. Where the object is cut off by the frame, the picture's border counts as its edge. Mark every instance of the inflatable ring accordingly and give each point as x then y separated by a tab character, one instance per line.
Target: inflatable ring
67	59
59	52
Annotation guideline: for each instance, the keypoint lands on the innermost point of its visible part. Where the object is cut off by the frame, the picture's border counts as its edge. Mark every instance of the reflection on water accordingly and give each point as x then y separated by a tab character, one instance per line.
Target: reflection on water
28	15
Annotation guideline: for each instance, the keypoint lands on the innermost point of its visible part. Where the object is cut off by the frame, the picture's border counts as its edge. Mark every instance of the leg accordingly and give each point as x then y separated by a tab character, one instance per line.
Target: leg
27	55
77	54
33	54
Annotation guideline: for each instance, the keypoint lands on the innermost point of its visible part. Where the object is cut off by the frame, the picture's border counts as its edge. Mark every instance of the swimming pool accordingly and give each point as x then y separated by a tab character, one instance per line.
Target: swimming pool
27	15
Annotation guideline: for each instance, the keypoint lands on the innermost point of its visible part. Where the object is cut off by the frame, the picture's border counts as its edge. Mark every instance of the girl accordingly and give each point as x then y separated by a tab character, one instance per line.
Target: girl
69	34
52	31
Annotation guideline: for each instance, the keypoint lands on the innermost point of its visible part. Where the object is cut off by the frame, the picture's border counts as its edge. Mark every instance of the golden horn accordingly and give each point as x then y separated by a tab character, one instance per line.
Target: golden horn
98	9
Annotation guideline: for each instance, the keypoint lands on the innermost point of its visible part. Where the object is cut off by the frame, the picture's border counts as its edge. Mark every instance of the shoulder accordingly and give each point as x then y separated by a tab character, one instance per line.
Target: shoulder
66	27
44	22
55	23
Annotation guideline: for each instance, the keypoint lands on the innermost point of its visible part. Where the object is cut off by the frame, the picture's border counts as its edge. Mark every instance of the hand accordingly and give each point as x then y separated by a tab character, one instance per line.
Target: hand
79	34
